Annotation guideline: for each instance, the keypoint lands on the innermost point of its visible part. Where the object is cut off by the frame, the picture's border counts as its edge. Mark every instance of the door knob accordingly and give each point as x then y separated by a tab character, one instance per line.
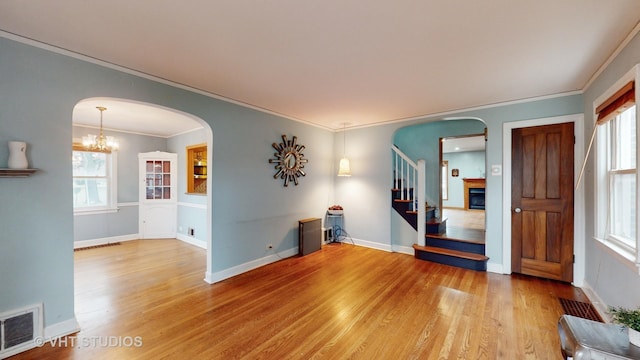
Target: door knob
517	210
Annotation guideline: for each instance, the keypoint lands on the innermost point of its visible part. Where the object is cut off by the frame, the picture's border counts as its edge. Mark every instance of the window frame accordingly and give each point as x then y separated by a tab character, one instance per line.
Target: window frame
112	184
604	175
444	175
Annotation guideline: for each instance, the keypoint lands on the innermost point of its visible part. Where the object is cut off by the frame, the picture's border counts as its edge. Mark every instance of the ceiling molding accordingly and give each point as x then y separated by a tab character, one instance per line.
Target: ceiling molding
89	59
76	55
611	57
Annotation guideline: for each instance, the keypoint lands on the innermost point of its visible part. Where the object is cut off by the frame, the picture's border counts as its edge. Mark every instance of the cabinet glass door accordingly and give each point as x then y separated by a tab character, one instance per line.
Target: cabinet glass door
158	179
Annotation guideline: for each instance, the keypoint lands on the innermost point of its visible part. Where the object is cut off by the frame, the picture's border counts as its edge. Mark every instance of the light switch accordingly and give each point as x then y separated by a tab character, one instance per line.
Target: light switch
496	170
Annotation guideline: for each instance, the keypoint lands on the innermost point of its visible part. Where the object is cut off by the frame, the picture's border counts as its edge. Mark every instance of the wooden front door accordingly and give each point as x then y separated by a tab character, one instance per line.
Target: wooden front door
542	201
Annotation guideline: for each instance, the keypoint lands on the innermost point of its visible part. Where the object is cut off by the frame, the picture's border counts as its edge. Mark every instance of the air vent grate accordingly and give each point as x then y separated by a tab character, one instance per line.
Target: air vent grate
19	330
580	309
97	246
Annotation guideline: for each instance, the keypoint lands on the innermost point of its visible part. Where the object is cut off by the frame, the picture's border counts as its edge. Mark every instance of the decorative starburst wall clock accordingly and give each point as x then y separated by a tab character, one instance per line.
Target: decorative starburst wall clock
289	160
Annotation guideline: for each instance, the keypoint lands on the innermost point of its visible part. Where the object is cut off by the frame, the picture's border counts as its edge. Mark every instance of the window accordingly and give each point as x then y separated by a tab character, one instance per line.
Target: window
445	180
621	178
616	184
94	185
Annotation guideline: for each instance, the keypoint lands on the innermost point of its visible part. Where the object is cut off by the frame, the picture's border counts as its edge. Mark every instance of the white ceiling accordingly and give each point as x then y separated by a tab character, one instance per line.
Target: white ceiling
134	117
343	61
462	144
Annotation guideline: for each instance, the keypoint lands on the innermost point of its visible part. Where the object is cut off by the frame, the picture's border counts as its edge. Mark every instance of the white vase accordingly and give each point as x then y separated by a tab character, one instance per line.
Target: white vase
18	155
634	337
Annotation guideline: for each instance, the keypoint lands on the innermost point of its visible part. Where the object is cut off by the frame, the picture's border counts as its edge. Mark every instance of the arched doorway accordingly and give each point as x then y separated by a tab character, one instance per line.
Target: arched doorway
141	127
423	141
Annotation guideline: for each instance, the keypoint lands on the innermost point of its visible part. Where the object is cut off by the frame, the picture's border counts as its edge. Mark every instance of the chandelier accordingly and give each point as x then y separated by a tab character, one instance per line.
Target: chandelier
100	143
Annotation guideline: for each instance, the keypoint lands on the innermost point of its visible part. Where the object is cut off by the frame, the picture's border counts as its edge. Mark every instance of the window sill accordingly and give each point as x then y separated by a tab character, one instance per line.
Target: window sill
621	254
95	211
196	193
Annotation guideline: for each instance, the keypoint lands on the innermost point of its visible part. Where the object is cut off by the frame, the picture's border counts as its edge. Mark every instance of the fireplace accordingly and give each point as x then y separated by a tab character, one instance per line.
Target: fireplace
476	198
474	190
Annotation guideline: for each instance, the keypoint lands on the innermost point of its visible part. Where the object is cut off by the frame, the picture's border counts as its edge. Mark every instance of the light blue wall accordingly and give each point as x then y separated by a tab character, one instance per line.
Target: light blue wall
366	195
471	164
616	283
192	211
125	221
422	141
250	209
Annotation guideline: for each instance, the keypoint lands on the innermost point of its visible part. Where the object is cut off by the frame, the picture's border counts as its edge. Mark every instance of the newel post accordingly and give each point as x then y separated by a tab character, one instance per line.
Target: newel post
422	198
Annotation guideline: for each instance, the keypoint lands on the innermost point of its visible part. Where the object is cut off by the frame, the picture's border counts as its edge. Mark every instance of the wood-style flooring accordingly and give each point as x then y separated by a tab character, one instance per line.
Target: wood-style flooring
464	224
342	302
468	219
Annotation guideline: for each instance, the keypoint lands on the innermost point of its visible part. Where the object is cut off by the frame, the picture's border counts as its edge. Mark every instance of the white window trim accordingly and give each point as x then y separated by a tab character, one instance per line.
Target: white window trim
625	255
112	205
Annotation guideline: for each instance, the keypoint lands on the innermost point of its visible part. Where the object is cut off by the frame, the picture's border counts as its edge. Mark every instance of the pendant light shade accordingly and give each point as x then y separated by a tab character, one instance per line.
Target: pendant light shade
345	169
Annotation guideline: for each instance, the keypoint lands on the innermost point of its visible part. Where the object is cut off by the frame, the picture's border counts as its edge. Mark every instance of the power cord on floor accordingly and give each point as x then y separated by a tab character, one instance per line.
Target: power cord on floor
338	234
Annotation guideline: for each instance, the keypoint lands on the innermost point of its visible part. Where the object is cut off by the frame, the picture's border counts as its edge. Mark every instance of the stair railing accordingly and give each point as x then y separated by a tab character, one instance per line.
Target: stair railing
407	175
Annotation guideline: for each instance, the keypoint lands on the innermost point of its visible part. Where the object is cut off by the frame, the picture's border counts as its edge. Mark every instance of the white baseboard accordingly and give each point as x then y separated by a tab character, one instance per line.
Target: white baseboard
495	268
105	241
62	328
409	250
371	244
191	240
214	277
596	301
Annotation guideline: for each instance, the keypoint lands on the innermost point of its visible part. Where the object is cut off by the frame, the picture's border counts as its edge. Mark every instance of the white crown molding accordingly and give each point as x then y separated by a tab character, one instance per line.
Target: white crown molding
127	70
611	57
89	59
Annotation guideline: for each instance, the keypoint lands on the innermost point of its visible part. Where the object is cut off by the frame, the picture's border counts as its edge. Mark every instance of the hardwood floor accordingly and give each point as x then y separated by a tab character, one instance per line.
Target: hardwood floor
468	219
342	302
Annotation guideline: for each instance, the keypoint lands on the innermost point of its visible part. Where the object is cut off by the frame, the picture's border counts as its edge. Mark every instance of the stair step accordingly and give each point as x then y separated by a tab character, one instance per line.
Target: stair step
445	237
476	236
469	246
450	252
402	201
436	226
452	257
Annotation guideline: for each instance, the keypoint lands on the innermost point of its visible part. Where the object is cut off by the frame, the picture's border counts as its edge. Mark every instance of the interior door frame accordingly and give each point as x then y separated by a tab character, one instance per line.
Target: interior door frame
440	158
578	201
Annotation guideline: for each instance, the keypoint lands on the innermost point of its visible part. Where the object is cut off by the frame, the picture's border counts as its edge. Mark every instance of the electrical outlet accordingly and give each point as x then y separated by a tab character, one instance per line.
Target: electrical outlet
270	246
191	232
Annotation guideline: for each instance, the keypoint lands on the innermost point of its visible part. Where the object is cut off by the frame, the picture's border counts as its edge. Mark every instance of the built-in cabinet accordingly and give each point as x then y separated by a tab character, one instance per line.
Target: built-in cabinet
158	195
197	169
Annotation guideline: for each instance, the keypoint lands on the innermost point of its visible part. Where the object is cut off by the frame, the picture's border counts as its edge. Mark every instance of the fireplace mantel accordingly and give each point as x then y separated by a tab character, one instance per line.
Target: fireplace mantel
472	183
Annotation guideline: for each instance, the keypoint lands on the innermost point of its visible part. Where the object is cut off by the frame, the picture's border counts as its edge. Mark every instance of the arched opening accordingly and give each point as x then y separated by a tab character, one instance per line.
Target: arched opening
425	142
139	128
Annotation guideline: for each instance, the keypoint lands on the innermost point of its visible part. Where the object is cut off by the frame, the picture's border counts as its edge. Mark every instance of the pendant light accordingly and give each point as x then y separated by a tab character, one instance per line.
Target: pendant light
345	169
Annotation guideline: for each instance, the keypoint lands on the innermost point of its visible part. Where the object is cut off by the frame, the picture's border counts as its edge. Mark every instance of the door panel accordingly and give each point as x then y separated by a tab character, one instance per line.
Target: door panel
542	201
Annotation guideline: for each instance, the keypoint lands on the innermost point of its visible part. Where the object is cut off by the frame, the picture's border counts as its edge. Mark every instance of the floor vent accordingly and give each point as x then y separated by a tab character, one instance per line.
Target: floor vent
19	330
97	246
580	309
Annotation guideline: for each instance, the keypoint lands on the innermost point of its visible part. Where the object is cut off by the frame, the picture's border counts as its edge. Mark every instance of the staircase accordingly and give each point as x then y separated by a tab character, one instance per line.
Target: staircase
454	246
